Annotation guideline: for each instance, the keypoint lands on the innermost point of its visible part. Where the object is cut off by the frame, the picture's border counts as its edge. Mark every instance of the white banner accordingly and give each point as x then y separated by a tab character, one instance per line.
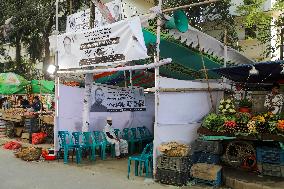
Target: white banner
105	99
114	43
80	21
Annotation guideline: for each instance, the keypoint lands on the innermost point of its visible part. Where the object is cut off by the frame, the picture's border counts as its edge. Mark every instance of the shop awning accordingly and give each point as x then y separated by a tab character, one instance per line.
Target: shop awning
42	87
11	83
186	64
269	72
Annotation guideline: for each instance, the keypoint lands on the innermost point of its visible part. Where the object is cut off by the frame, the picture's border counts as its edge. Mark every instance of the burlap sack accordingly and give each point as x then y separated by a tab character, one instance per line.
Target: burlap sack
205	171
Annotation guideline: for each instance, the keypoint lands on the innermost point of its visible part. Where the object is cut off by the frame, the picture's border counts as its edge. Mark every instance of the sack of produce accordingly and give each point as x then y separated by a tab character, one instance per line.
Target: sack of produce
38	138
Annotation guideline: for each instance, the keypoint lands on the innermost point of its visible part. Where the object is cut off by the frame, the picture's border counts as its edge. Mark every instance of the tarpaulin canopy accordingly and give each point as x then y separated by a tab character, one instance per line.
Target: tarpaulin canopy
269	72
42	86
11	83
186	64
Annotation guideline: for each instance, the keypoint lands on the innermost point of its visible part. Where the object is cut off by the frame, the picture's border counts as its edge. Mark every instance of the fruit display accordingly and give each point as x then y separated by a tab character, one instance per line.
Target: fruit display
174	149
227	107
280	125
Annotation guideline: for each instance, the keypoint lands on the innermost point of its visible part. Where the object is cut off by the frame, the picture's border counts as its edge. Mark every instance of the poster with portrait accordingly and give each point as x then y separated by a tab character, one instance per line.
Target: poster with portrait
119	42
80	21
107	99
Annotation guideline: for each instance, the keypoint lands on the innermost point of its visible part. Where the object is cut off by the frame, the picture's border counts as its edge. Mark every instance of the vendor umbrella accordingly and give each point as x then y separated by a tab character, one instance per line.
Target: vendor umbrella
11	83
42	87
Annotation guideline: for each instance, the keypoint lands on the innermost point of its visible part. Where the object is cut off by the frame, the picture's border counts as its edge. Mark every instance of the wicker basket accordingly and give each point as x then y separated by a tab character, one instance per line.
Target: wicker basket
172	177
179	164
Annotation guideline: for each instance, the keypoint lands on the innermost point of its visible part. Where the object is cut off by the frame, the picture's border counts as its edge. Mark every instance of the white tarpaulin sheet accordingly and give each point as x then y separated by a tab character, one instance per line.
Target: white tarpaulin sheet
71	108
115	43
107	99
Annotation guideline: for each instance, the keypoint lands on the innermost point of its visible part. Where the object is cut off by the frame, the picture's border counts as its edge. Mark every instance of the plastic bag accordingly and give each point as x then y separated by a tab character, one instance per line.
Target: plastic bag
38	138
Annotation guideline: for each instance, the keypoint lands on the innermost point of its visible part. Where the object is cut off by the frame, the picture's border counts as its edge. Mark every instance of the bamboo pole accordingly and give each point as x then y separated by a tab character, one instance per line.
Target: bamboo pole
188	6
137	67
157	87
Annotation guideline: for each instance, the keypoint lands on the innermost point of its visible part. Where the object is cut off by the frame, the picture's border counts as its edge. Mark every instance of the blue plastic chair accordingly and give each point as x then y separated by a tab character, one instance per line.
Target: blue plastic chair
145	159
134	138
66	144
148	135
111	146
90	143
100	143
125	134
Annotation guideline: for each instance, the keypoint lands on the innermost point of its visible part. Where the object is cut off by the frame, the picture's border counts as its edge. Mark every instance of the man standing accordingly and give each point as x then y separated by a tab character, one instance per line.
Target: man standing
36	104
274	100
121	146
98	100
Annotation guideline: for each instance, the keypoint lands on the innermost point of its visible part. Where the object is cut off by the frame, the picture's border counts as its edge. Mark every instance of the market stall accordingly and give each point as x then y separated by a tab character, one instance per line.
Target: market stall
252	140
18	110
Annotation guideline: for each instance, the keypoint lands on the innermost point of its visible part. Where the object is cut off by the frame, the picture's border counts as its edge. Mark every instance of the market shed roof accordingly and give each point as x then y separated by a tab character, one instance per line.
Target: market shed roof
269	72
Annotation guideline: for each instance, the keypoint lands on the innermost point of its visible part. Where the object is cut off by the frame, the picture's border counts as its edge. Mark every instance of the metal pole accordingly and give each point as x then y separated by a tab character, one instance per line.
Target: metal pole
157	76
56	83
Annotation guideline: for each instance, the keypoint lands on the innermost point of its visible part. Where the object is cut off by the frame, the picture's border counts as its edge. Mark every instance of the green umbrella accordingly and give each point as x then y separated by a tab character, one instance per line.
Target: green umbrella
11	83
42	87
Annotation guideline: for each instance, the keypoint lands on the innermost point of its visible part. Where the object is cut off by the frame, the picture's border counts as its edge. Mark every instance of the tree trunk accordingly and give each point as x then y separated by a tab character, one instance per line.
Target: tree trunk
47	58
18	50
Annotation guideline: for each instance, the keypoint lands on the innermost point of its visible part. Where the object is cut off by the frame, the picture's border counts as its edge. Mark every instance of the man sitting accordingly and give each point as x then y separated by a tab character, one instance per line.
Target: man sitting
121	146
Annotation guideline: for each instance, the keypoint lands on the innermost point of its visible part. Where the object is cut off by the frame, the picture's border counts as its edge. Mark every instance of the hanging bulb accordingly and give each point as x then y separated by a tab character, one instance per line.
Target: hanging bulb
282	71
253	71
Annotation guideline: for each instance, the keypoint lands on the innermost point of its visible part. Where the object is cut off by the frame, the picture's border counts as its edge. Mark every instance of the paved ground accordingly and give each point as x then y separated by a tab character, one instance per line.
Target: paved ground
109	174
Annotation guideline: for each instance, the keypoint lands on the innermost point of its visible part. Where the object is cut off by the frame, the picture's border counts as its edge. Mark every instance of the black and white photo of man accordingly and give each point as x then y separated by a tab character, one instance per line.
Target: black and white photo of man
98	98
116	12
67	59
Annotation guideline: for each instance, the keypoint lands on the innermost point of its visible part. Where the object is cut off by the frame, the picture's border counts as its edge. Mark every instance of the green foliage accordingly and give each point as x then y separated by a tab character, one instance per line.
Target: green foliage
242	118
217	13
246	103
214	122
253	16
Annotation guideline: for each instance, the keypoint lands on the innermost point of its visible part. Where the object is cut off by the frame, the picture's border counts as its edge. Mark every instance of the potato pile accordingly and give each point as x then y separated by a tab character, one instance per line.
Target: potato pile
15	111
174	149
29	153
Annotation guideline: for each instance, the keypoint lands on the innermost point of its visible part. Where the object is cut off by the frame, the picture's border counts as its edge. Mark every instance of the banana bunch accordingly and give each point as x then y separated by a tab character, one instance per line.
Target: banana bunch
174	149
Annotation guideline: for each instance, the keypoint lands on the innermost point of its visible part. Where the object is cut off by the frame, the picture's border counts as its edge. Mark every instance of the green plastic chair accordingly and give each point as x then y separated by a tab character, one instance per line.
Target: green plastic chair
108	145
125	134
148	135
66	144
90	143
133	139
100	143
145	159
117	132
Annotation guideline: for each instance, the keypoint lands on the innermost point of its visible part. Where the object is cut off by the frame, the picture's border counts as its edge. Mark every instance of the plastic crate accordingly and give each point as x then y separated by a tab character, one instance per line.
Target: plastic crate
270	155
200	157
213	147
271	169
180	164
170	177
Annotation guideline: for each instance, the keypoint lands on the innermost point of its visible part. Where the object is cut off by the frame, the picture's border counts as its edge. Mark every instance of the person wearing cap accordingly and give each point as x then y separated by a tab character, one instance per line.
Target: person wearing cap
274	100
121	146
